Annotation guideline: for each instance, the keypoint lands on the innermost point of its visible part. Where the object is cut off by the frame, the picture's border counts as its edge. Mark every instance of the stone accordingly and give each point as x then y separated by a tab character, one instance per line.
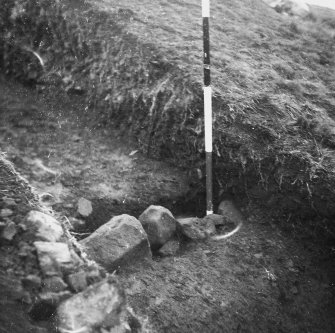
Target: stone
196	228
258	255
230	212
6	212
52	256
54	284
121	241
9	231
77	281
76	223
84	207
43	227
290	7
31	282
215	218
159	224
9	201
170	248
99	306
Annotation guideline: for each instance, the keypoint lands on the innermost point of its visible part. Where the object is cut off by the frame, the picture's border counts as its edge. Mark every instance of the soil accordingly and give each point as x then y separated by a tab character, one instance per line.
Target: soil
260	280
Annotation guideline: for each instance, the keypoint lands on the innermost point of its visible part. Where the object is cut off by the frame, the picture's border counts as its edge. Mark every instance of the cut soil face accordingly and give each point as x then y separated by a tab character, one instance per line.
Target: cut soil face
260	280
69	157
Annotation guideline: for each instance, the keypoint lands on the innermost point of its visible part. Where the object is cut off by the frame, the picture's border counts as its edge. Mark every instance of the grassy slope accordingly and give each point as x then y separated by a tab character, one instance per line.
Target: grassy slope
273	80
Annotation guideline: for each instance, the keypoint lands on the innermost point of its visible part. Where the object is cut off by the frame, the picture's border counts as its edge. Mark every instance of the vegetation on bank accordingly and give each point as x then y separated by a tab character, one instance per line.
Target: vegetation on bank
139	66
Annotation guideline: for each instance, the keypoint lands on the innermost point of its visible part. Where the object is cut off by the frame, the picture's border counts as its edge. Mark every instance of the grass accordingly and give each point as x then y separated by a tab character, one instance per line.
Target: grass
140	67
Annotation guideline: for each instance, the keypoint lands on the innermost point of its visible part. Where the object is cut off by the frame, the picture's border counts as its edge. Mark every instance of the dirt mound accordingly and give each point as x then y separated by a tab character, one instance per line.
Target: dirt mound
140	67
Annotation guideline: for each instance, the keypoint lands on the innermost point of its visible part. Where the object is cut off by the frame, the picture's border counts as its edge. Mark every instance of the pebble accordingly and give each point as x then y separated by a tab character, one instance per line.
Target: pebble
6	212
84	207
9	201
9	231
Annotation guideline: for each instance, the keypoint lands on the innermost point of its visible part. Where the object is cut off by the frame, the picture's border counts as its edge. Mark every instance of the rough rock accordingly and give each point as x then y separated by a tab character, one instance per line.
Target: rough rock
84	207
99	306
215	218
77	281
159	224
170	248
121	241
43	227
9	231
52	256
230	213
54	284
196	228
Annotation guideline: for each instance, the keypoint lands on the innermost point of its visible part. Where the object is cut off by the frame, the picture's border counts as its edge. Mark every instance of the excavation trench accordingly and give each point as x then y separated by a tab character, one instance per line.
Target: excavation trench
103	209
205	287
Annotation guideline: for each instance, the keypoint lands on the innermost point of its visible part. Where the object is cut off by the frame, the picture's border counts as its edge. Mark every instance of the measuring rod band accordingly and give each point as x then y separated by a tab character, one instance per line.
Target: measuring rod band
208	118
205	8
209	183
207	61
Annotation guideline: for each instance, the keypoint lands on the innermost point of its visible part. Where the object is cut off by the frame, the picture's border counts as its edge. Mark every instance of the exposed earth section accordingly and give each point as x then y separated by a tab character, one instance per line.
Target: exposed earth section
58	147
259	280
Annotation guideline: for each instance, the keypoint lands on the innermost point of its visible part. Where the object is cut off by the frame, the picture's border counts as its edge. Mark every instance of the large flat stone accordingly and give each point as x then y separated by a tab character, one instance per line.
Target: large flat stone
120	242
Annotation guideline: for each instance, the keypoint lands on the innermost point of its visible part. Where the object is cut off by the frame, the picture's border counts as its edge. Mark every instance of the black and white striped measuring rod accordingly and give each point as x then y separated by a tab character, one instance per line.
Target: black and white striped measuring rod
207	107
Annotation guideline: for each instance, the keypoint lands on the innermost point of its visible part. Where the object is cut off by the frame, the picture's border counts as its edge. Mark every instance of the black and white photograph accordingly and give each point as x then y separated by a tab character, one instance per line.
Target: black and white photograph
167	166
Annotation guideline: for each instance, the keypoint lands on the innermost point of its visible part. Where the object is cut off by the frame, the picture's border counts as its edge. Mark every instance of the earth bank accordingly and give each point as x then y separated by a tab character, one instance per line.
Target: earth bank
141	71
